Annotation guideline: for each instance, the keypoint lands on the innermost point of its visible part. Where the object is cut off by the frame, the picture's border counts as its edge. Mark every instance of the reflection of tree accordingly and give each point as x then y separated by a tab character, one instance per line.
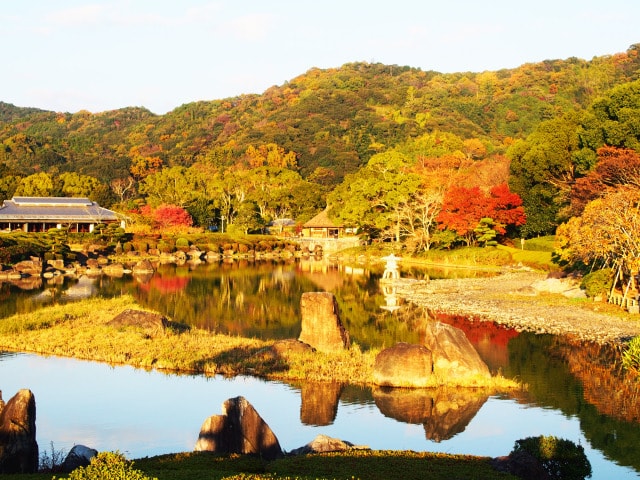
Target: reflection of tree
558	375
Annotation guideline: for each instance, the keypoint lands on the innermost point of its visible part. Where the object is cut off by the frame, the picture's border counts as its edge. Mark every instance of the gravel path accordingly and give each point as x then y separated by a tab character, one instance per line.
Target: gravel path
514	299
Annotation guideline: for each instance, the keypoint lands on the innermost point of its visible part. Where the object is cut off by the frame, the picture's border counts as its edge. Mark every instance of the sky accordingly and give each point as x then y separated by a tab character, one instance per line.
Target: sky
98	55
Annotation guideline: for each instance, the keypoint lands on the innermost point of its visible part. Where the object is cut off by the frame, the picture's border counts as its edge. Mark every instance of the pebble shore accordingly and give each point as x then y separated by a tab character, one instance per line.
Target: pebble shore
514	299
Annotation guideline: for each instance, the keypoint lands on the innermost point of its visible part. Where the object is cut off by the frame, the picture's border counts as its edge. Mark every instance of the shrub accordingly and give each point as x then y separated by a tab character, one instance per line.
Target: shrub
108	466
598	282
51	461
560	458
631	355
182	244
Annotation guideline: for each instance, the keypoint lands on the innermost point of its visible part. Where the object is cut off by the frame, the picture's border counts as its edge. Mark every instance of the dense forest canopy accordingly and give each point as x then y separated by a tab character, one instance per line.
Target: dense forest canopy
384	144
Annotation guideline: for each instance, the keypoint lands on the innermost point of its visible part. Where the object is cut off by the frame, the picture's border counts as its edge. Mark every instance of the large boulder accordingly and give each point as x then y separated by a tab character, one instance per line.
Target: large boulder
18	447
152	323
239	429
454	357
403	365
321	324
31	267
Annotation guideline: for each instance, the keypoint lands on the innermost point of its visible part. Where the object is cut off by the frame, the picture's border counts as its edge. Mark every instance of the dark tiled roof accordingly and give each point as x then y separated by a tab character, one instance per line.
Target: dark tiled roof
65	209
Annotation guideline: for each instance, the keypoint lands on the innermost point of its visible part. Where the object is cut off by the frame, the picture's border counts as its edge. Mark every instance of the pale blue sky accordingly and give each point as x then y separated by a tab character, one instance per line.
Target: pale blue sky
96	55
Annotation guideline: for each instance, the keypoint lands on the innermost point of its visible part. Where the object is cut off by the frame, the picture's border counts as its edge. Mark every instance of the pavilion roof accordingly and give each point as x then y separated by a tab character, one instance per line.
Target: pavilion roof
69	209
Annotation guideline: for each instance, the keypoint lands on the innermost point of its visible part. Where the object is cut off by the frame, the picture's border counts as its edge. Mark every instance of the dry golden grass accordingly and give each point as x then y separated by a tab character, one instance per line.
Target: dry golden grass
82	330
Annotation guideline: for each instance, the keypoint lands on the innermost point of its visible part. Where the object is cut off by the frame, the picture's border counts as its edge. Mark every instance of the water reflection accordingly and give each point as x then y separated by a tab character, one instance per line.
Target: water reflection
574	390
442	412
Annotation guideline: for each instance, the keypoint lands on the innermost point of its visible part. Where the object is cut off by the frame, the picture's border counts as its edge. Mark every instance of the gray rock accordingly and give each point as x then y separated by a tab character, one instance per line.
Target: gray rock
323	444
78	456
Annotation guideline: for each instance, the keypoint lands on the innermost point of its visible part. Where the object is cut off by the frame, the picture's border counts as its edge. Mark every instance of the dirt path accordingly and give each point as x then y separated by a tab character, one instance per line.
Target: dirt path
510	299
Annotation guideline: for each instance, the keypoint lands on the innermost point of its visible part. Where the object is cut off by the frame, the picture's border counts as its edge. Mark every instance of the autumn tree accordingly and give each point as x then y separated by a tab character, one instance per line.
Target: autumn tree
171	216
607	234
270	155
464	209
615	166
417	218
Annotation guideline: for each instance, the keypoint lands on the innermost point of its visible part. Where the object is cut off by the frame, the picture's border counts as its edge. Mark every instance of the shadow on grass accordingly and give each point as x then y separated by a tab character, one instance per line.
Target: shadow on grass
254	361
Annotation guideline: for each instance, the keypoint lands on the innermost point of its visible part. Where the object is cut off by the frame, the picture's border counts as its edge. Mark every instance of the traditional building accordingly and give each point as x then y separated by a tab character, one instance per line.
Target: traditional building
321	226
39	214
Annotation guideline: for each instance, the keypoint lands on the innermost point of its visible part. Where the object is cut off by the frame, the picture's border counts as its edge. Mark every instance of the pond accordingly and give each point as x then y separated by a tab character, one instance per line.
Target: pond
572	391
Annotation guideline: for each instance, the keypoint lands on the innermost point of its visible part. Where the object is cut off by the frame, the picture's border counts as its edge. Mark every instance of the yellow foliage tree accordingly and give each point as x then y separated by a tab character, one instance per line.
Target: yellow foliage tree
606	234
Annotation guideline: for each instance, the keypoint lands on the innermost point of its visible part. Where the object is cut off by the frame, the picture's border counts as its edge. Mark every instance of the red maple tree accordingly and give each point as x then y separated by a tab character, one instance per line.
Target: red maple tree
463	208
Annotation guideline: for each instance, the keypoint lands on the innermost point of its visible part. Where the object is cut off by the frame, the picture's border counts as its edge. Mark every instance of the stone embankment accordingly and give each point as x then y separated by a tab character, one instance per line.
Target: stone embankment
524	301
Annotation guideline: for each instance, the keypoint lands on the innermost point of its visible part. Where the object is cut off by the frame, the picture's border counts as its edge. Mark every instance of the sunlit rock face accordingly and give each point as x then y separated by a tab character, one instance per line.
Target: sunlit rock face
403	365
18	446
321	324
239	429
453	354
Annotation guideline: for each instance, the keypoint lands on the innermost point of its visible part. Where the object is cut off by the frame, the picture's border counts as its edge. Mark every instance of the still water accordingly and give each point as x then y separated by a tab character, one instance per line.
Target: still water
145	413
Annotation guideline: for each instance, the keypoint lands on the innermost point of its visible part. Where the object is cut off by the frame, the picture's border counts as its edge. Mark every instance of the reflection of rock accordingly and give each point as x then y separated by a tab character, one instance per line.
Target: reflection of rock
321	324
18	446
403	365
323	444
238	430
443	412
453	354
84	288
319	402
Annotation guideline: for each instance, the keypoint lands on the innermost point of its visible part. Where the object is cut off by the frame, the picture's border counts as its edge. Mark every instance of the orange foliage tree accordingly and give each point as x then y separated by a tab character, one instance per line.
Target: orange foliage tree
464	208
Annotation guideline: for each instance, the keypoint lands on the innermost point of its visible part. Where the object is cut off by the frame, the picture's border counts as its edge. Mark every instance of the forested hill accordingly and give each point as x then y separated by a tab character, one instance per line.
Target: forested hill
334	120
